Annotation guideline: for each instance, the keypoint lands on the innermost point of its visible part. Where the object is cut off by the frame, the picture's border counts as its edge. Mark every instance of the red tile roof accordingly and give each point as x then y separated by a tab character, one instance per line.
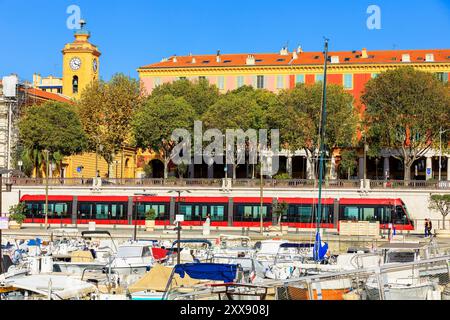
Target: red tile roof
304	58
48	95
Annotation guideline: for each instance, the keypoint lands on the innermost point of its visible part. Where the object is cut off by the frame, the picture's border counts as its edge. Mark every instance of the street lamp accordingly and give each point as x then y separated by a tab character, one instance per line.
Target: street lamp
177	210
441	132
20	164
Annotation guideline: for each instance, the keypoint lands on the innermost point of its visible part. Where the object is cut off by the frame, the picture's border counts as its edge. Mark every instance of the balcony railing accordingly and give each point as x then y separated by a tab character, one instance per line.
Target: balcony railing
238	183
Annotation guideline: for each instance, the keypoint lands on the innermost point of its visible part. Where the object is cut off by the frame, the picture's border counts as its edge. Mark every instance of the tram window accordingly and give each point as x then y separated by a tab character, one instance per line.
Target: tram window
187	211
399	215
350	213
101	211
217	213
86	211
250	213
305	213
368	214
117	212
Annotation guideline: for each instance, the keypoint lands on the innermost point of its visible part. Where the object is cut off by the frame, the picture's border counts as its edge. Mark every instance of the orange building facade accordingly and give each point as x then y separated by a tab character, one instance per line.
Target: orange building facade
283	70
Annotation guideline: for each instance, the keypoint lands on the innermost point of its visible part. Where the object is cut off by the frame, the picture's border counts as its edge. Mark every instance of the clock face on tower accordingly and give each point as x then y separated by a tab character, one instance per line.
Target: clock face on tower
75	63
95	65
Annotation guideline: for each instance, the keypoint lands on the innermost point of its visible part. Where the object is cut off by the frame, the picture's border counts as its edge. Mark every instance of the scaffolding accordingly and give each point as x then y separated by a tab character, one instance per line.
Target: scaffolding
10	108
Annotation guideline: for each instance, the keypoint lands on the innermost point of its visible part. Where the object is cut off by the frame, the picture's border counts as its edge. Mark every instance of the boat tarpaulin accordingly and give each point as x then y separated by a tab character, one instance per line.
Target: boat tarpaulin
156	280
208	271
320	248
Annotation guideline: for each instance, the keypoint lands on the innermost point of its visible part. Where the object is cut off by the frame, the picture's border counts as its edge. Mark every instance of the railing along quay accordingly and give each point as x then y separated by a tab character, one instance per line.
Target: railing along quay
238	183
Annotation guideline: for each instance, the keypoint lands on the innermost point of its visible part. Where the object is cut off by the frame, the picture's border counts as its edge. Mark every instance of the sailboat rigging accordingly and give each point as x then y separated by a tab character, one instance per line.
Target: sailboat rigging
319	250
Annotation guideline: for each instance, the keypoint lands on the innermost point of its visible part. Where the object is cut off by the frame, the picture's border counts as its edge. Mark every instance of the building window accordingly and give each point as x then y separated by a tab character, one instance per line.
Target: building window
348	81
319	77
75	84
240	81
201	78
157	82
375	75
221	82
182	78
260	82
442	76
300	78
280	82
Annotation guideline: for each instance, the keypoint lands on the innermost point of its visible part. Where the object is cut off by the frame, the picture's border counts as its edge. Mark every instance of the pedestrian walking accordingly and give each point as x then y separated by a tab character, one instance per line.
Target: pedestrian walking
426	228
430	228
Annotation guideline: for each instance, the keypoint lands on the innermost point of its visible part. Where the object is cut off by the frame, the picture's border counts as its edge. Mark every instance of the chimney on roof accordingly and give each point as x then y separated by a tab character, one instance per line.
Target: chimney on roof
364	54
294	55
334	59
250	60
299	49
284	52
406	57
194	60
218	56
174	58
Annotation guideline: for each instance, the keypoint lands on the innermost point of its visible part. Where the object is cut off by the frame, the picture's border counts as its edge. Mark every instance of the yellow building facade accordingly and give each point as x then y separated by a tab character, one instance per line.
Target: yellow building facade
80	64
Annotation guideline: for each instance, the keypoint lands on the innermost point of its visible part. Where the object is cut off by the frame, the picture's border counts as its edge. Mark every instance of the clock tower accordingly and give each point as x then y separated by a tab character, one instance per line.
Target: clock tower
80	63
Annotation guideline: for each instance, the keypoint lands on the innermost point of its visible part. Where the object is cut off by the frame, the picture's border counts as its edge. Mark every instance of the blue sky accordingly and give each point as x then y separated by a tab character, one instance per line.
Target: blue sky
133	33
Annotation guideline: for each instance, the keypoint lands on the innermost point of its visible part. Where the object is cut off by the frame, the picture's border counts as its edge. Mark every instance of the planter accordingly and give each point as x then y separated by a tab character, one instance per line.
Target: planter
443	233
14	225
149	225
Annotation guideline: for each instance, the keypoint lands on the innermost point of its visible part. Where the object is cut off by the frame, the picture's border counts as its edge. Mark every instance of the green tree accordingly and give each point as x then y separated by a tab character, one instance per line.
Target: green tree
440	203
298	114
106	110
405	109
348	163
199	94
154	123
52	126
234	111
279	210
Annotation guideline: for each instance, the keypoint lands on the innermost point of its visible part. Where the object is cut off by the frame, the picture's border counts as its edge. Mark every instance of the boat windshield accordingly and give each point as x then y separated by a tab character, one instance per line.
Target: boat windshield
400	257
128	252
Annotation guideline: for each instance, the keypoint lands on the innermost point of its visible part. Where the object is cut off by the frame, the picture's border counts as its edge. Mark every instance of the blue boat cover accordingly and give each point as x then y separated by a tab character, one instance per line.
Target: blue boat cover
34	242
208	271
319	250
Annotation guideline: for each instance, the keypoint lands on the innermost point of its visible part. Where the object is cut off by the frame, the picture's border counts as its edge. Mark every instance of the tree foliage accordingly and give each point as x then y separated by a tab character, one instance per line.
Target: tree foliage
298	115
52	126
348	163
154	123
440	203
199	94
106	110
405	110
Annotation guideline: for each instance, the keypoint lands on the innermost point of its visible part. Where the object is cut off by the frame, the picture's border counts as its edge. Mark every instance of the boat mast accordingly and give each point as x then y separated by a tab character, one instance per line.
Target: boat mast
322	136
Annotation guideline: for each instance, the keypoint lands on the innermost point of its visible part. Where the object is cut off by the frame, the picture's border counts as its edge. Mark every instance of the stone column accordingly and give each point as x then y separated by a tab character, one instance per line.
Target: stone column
386	168
211	172
333	171
191	171
448	168
309	170
361	168
289	165
429	168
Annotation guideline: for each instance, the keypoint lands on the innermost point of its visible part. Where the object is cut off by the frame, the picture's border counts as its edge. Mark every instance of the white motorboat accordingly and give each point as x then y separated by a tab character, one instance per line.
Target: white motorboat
46	287
404	284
